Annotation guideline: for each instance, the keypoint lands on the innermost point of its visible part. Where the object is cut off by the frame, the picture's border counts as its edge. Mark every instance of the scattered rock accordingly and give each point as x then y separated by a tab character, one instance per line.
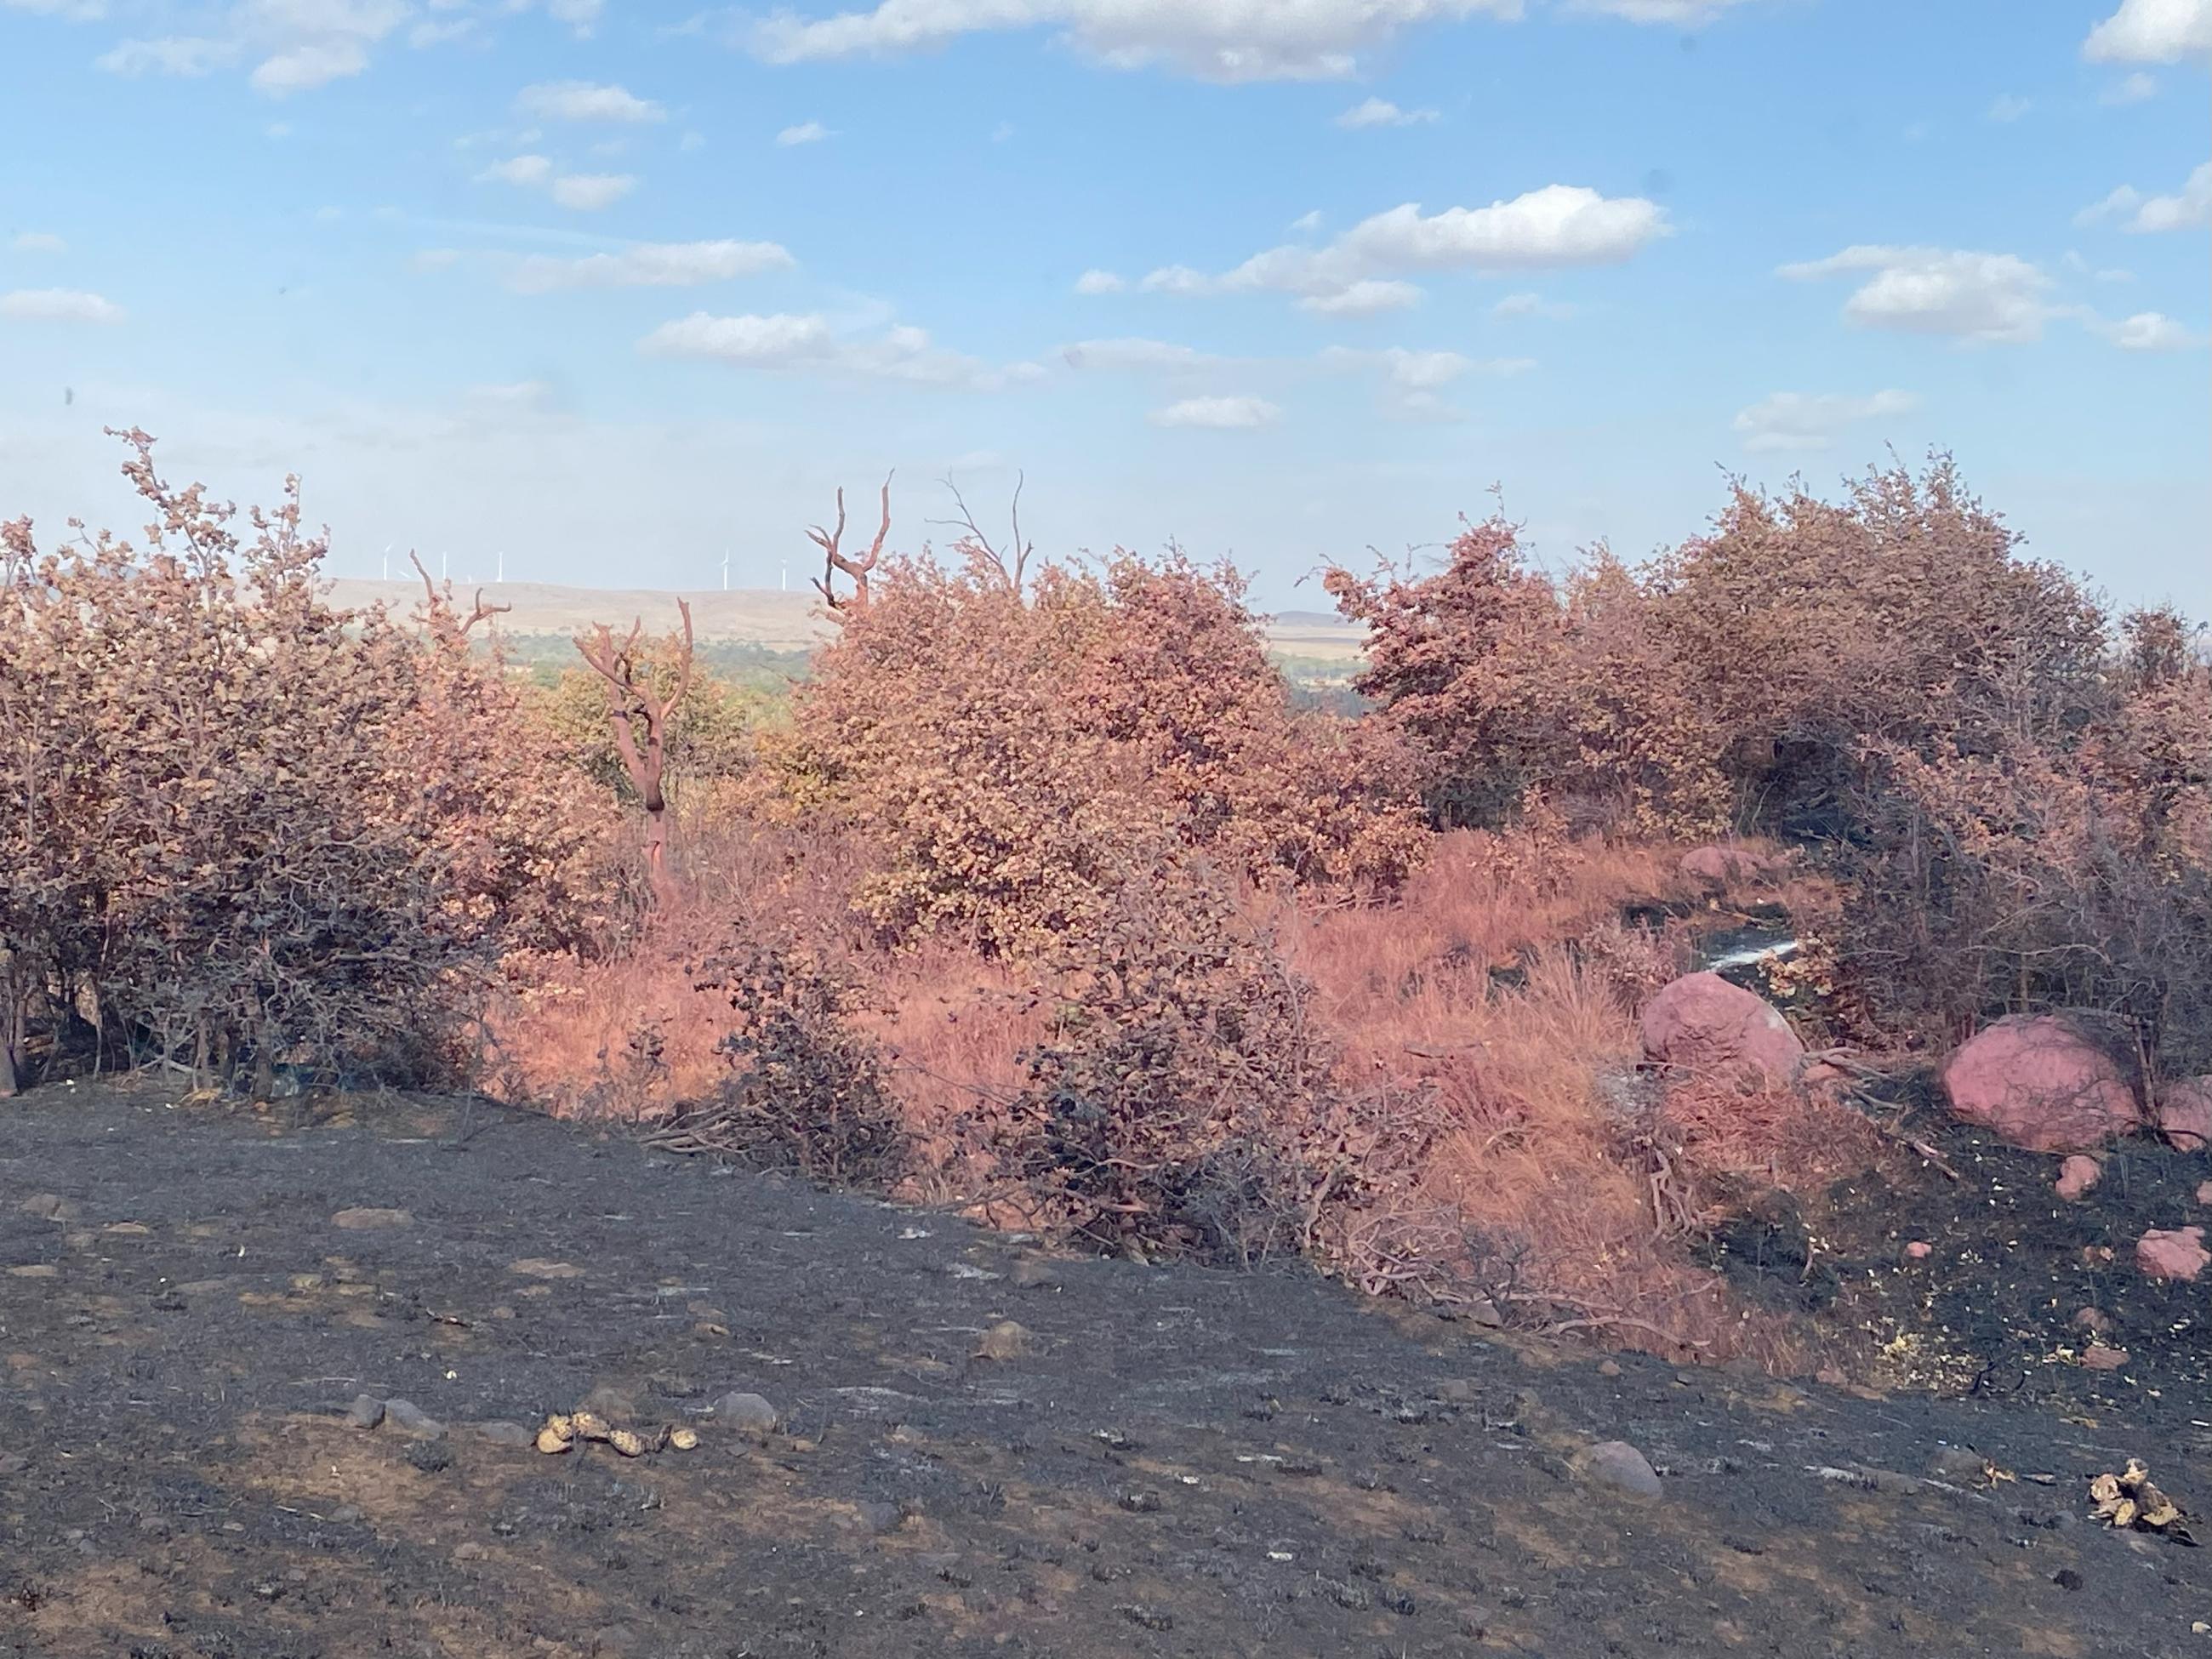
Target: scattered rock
1481	1311
364	1221
2093	1319
1958	1463
48	1207
128	1230
874	1518
1608	1368
1004	1340
536	1267
2076	1175
559	1434
13	1463
749	1412
469	1551
629	1442
1616	1463
609	1402
1030	1272
501	1432
1919	1250
1830	1377
682	1440
1701	1024
410	1419
344	1515
2172	1253
2036	1082
36	1270
430	1456
2204	1192
2099	1358
366	1412
2184	1113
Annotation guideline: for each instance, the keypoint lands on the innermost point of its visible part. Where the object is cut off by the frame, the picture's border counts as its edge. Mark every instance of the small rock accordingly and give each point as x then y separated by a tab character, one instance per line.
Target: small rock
1608	1368
365	1220
410	1419
500	1432
48	1207
469	1551
538	1266
874	1518
2076	1175
2093	1319
682	1440
608	1402
1830	1376
2184	1113
2204	1192
430	1456
2099	1358
128	1230
366	1412
1004	1340
749	1412
1030	1272
1958	1463
36	1270
2175	1253
1482	1311
1919	1250
13	1463
1616	1463
344	1515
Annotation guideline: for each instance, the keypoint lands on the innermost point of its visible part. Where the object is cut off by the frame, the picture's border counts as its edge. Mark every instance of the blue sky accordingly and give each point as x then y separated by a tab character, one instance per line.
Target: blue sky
610	287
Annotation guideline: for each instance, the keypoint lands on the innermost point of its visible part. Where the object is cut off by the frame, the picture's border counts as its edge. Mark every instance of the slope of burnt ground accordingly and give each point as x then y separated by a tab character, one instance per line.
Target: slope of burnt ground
1154	1461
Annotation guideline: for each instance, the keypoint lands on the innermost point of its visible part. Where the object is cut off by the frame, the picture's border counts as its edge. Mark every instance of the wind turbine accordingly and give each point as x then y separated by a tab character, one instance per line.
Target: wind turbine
726	570
502	577
385	569
783	580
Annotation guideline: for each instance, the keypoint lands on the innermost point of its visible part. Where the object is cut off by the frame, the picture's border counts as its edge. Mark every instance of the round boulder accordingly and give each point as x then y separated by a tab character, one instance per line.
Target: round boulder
2035	1082
2172	1253
2184	1113
1701	1023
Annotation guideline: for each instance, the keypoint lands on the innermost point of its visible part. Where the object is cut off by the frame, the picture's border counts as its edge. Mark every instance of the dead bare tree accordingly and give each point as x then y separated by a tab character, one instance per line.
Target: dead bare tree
1010	564
447	624
835	560
637	709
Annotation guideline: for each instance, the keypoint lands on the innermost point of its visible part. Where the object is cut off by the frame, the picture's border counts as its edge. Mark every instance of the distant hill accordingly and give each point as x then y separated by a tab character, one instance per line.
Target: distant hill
751	616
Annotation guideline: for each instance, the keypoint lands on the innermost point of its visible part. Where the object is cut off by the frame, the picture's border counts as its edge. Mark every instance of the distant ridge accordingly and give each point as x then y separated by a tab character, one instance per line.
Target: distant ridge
753	616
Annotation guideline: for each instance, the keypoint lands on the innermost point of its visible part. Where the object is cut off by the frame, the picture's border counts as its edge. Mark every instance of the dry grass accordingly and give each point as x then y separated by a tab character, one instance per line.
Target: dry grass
1504	985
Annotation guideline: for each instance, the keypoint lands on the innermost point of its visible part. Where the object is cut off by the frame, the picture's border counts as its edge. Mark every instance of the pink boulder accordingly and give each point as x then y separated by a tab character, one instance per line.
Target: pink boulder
2204	1192
2075	1176
1919	1250
2178	1253
1703	1024
2037	1083
2184	1112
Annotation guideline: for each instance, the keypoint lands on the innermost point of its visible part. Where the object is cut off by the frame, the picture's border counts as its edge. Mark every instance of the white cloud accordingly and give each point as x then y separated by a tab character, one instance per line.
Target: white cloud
587	192
2186	209
1799	420
1213	39
2149	331
521	397
74	11
1381	112
581	16
58	305
584	192
435	259
809	344
2007	108
527	171
692	141
2132	89
1138	354
1306	224
806	133
649	265
1364	298
1000	133
1686	13
1220	414
1099	281
585	101
1532	304
1930	290
38	241
174	54
1558	225
425	34
302	68
1412	381
2152	32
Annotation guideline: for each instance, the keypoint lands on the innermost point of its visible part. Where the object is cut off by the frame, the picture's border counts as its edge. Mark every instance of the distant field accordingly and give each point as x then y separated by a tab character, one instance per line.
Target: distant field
765	618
